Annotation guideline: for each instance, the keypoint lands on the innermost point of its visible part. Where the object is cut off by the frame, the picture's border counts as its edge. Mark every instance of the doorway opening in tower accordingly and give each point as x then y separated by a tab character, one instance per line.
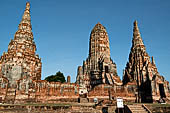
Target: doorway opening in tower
106	69
162	91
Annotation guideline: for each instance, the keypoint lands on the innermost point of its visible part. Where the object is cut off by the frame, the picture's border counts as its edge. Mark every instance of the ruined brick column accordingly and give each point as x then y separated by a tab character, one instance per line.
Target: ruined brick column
68	79
98	68
21	60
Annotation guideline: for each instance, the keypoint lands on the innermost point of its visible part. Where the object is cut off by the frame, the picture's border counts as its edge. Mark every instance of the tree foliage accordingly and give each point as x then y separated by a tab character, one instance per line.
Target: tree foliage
58	77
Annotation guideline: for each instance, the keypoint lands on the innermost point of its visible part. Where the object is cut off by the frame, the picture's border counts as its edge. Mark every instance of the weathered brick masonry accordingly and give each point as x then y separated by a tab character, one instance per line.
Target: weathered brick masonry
20	72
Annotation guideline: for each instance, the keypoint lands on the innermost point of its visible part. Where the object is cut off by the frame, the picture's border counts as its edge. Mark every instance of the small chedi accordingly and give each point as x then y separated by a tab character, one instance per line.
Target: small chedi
142	72
98	68
20	72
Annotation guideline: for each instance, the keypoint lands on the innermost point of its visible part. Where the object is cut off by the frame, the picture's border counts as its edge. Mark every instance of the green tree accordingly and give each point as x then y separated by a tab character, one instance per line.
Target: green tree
58	77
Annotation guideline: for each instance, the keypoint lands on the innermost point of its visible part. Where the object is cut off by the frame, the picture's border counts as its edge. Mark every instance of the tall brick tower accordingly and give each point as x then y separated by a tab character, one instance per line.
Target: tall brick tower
20	60
98	67
137	57
143	71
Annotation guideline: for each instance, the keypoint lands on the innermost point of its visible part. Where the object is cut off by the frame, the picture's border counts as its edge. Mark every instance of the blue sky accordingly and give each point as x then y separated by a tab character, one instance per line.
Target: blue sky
62	29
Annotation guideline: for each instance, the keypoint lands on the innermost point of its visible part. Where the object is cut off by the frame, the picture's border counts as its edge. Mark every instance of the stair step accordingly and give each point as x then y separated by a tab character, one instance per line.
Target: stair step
135	105
137	109
139	112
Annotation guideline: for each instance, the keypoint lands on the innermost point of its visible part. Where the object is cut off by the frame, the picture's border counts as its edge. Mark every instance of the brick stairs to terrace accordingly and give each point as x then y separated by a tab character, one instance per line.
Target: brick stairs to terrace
10	96
137	108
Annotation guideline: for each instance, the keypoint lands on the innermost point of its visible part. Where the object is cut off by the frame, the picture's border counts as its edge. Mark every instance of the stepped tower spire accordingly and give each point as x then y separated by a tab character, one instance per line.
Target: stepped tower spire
24	34
141	70
21	60
25	28
138	58
25	23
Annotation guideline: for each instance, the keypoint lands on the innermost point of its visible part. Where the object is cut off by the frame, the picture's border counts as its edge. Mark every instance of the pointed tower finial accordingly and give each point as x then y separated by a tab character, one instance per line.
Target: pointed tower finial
98	25
137	40
27	6
25	24
135	23
135	28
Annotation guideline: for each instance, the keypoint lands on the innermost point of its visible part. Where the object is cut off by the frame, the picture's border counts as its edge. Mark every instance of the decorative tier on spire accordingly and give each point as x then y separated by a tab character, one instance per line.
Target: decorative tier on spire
26	18
25	28
98	67
21	60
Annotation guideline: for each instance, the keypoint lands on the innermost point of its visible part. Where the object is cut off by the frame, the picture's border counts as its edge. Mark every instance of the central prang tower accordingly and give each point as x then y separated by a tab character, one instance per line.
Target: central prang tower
98	67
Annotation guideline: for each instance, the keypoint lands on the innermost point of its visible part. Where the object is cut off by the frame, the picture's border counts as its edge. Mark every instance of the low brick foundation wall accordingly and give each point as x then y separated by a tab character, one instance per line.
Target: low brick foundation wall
56	108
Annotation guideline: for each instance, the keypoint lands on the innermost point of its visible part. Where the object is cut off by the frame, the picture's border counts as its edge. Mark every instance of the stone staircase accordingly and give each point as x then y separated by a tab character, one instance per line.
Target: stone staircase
137	108
10	96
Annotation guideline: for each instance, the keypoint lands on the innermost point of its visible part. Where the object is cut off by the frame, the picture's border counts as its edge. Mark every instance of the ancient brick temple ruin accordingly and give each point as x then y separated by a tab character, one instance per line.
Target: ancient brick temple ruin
98	68
141	80
20	60
20	72
141	70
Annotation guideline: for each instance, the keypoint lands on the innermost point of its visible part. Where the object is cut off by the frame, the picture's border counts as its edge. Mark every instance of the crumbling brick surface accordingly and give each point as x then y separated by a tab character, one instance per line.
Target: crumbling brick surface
98	68
20	72
142	71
